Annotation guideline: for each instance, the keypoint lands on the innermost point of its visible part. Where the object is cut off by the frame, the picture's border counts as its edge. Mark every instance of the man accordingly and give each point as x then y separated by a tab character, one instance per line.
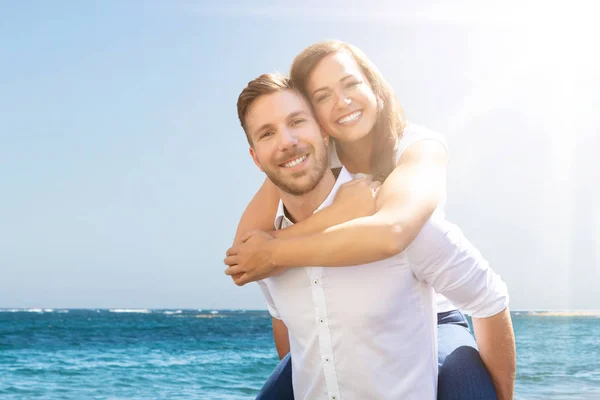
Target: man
369	331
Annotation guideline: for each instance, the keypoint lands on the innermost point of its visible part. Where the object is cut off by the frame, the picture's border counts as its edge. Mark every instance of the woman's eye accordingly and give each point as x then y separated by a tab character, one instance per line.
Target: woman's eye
297	121
352	84
322	97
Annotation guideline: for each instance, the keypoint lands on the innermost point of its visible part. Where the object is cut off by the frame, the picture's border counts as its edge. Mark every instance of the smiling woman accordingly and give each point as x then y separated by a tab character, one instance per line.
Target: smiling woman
353	103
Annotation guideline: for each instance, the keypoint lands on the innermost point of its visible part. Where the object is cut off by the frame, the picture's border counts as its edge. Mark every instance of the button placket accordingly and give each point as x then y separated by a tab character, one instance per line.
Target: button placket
322	326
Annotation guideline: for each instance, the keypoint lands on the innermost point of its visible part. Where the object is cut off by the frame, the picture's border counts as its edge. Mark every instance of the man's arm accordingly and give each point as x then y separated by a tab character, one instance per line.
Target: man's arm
444	258
280	335
496	342
280	331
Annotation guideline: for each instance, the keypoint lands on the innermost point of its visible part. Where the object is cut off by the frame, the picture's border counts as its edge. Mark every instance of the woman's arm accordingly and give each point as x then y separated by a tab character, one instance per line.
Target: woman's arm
354	200
281	338
260	212
405	201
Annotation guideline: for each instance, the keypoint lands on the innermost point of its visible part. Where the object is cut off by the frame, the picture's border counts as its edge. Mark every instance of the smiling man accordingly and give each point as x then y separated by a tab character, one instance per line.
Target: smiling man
366	331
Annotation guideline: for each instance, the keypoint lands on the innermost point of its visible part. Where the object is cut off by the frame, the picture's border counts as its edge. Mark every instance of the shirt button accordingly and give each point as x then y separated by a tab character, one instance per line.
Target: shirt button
326	359
321	320
316	281
333	397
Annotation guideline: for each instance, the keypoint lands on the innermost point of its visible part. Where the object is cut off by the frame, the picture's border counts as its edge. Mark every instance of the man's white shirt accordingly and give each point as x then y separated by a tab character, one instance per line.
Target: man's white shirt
370	331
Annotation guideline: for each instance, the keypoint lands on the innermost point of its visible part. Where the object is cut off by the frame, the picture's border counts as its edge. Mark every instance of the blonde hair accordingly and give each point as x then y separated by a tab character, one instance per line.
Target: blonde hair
390	123
263	85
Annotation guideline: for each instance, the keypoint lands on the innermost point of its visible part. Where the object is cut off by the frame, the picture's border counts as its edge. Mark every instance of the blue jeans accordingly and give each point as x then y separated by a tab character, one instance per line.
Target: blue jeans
462	375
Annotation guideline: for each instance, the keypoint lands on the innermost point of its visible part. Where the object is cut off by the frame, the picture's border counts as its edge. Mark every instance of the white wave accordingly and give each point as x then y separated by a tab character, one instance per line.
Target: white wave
11	310
48	310
214	312
35	310
199	310
172	312
63	311
130	310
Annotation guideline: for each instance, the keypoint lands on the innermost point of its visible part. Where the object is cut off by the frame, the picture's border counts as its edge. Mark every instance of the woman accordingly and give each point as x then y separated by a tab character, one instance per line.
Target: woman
358	109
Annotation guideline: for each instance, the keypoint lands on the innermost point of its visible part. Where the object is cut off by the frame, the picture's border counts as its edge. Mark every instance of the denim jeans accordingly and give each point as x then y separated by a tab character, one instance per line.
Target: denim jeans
462	375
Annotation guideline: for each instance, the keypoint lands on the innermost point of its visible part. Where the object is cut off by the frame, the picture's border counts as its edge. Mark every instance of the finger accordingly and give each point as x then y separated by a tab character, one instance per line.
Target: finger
232	251
241	281
231	260
234	270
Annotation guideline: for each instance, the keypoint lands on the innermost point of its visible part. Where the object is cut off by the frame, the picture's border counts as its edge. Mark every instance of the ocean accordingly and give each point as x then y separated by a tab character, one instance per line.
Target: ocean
219	354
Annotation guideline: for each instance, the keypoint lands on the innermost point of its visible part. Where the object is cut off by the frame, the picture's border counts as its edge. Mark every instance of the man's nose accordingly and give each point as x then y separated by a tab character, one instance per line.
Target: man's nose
288	139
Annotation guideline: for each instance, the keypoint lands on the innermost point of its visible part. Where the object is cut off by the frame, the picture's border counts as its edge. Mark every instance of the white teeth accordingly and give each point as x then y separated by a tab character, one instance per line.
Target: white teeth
295	162
348	118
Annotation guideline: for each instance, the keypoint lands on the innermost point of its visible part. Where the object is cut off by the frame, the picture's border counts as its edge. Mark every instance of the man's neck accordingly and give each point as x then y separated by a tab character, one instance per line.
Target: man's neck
301	207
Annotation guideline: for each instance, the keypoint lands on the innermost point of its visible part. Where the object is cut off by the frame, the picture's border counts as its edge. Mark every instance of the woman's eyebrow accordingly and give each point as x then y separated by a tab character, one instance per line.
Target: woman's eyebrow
325	87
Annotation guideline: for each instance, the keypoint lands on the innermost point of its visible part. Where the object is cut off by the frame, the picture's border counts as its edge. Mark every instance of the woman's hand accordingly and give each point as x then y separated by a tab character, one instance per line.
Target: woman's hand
356	199
251	260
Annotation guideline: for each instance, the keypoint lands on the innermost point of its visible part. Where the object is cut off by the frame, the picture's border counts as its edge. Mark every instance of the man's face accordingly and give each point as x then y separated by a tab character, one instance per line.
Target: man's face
287	142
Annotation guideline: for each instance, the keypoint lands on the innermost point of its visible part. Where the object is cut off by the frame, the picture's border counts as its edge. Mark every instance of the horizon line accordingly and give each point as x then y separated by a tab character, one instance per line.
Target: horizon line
260	309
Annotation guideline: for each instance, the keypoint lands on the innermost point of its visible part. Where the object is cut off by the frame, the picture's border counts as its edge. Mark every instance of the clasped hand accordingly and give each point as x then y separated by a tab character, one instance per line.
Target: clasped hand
251	260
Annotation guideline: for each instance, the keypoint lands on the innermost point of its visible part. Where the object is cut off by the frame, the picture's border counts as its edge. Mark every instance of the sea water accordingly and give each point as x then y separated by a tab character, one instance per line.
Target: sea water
220	354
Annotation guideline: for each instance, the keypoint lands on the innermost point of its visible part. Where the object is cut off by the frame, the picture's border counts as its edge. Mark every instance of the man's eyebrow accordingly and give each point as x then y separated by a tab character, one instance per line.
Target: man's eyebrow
296	114
325	87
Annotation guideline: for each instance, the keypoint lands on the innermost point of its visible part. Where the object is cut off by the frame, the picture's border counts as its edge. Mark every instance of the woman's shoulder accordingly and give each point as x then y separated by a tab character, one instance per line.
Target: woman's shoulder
413	133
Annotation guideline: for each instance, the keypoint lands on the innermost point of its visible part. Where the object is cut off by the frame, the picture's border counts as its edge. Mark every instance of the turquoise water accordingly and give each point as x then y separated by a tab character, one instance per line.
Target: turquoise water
204	354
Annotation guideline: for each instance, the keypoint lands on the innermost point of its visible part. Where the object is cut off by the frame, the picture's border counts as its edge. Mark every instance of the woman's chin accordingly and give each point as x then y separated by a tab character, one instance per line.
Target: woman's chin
355	135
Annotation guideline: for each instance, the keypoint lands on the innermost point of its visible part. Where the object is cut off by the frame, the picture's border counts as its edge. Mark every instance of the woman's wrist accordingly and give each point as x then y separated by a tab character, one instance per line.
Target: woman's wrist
277	249
271	247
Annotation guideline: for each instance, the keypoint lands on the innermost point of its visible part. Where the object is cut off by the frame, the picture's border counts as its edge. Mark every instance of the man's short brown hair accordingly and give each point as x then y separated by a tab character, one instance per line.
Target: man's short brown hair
263	85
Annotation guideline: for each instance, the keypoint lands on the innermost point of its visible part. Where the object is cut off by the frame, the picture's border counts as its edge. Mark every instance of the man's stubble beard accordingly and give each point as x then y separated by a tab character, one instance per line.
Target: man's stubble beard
316	174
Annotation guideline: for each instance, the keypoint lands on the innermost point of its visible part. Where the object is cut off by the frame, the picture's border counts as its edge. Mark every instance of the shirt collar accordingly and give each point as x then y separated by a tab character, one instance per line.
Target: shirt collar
281	221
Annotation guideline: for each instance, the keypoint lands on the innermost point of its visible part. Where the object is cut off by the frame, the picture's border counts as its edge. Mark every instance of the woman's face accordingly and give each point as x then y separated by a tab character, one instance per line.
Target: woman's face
342	98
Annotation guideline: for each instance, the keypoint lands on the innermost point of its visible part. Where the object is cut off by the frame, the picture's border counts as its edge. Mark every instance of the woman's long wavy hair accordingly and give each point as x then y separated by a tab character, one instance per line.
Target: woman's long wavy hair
391	120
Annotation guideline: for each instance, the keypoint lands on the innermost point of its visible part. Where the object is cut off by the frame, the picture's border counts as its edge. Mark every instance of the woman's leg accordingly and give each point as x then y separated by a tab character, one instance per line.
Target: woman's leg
279	384
462	374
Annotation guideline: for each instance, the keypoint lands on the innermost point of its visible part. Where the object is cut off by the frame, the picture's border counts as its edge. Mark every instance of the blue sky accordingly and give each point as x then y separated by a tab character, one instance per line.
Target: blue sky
124	169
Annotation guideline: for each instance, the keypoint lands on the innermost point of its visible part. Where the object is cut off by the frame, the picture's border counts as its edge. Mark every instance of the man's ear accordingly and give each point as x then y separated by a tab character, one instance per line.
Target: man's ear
255	159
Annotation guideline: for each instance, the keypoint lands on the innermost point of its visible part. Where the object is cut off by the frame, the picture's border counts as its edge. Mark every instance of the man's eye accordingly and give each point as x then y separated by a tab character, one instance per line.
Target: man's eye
266	134
297	121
